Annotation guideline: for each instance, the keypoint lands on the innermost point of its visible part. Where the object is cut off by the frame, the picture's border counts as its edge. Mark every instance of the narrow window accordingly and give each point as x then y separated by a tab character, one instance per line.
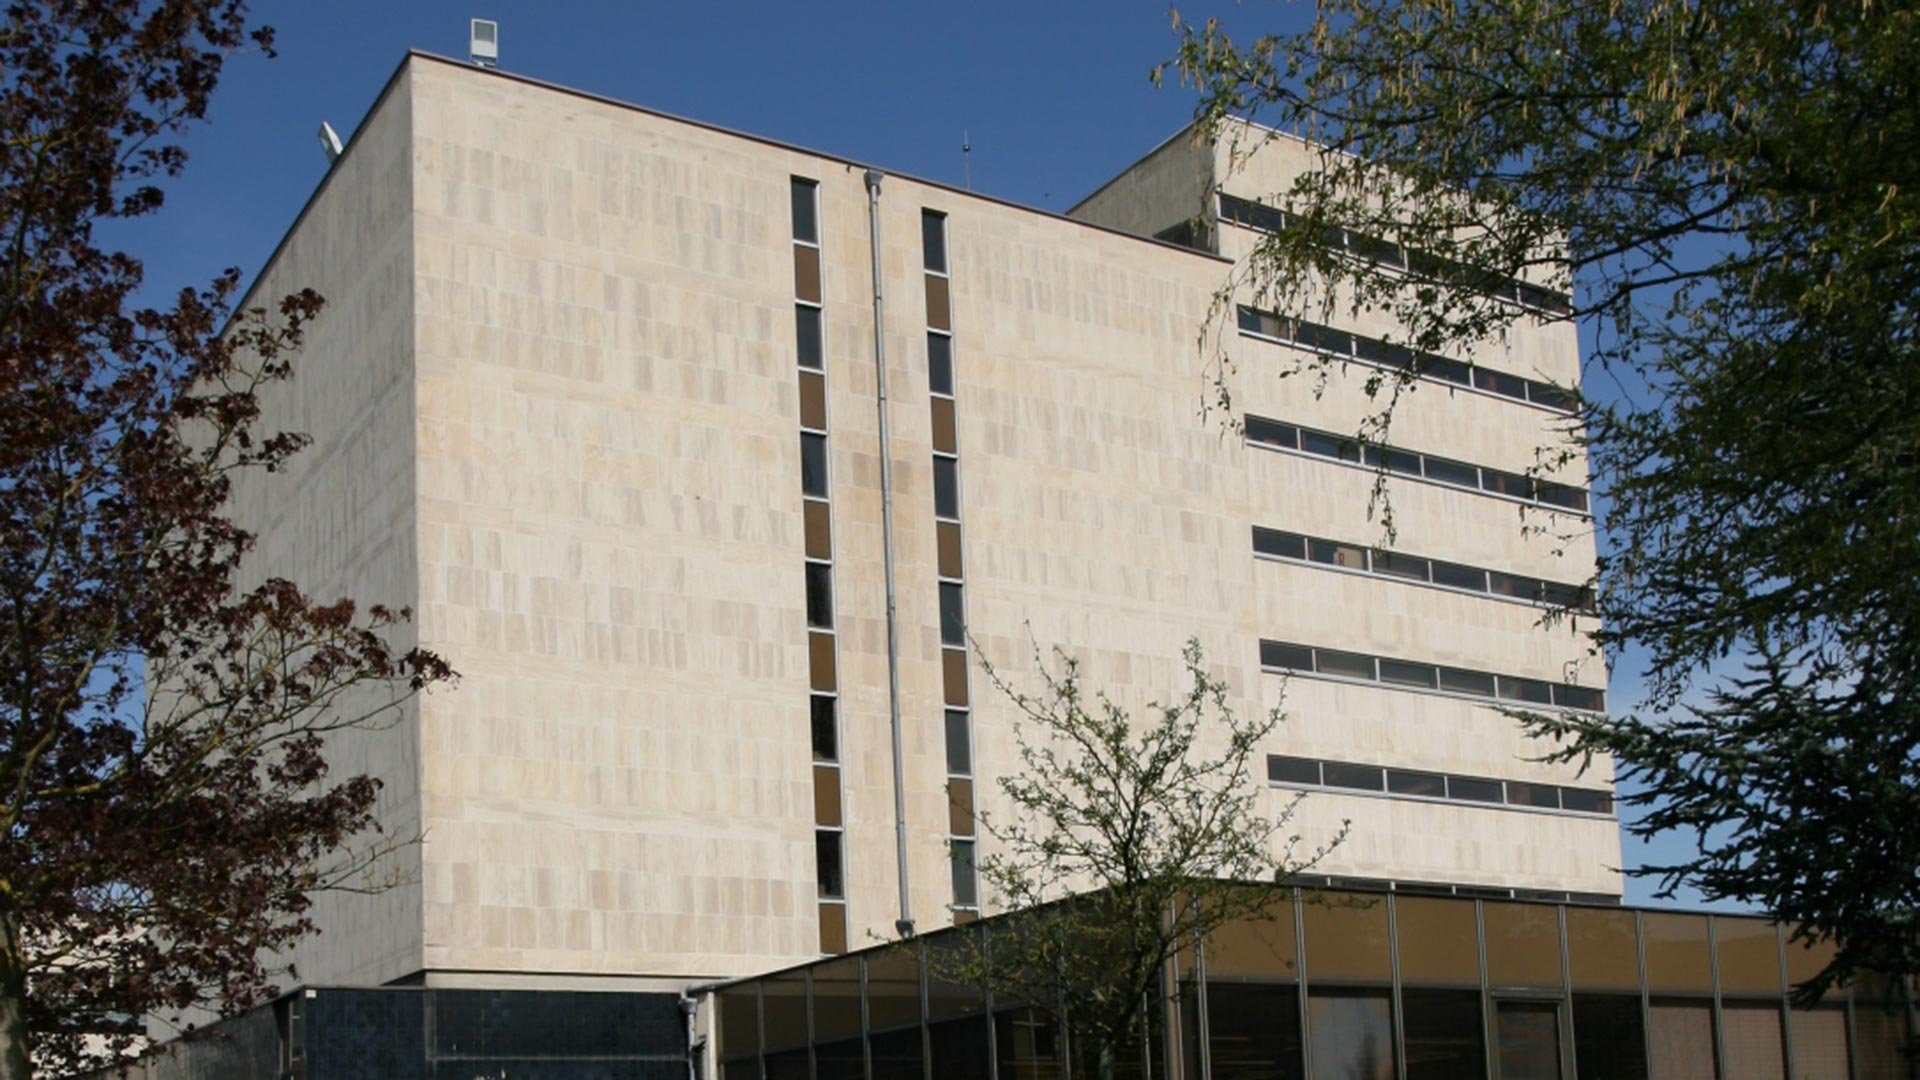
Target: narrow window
946	488
1545	796
1531	691
959	744
1272	433
1562	495
1452	472
1359	777
1274	542
1500	383
1394	461
1345	556
1292	770
1506	483
1402	673
1459	577
826	851
933	240
1349	665
1584	698
819	595
813	464
1400	566
1325	445
1410	782
826	728
1279	654
1459	681
806	223
939	363
1551	397
953	619
806	322
964	892
1586	801
1474	789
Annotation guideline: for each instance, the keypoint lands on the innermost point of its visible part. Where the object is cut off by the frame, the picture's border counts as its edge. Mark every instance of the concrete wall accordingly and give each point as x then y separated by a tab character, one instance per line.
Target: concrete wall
1172	184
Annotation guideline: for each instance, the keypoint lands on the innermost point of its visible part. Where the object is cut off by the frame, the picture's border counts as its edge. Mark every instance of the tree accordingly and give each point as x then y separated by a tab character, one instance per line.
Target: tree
1731	188
163	784
1128	839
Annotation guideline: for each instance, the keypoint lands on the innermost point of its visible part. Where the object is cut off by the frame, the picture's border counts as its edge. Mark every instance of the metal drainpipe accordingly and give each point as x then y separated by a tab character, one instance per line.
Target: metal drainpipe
904	924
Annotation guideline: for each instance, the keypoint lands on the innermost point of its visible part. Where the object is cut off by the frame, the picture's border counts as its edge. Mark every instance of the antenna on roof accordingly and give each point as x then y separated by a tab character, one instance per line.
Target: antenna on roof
483	43
966	158
330	142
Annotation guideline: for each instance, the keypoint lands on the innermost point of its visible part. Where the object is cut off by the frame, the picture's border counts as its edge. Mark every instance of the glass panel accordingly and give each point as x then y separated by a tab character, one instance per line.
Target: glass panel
1333	554
1585	698
933	240
1804	962
1442	1033
783	1003
1474	789
820	667
1404	566
1680	1034
1609	1041
959	744
965	892
807	343
826	852
1881	1031
1500	383
826	729
792	1065
944	439
947	956
818	524
953	618
813	401
940	364
1531	691
1601	950
1529	1033
1358	777
1272	432
896	1055
739	1022
1819	1042
1748	954
1439	943
813	464
1750	1037
1402	673
1280	654
1350	665
1352	1034
843	1060
819	595
1333	446
806	273
826	795
1274	542
1506	483
836	1000
1346	936
1253	1031
1452	472
946	487
960	806
740	1069
806	225
1258	945
1523	944
893	987
1586	801
953	675
939	309
1477	683
1028	1045
1677	952
1408	782
1545	796
960	1049
947	540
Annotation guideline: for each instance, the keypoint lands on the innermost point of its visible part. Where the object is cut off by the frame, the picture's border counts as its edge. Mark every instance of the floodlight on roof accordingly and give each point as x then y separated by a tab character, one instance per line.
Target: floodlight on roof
483	42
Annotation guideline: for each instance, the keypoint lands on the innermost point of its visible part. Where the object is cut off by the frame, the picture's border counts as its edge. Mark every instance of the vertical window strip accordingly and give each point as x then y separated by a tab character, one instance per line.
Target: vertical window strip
950	583
823	701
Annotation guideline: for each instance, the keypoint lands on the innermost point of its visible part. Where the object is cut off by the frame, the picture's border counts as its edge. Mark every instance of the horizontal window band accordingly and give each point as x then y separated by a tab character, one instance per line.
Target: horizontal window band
1352	778
1370	352
1420	570
1381	252
1446	472
1434	678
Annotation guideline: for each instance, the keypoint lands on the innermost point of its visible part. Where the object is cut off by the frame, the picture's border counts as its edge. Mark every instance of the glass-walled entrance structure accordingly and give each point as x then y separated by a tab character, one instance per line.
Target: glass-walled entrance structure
1362	986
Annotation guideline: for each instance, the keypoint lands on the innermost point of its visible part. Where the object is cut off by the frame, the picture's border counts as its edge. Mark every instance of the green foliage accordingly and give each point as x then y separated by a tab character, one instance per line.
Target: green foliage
1125	838
1732	187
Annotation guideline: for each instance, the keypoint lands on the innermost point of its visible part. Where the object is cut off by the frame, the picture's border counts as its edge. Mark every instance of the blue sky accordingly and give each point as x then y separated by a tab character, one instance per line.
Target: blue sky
1055	98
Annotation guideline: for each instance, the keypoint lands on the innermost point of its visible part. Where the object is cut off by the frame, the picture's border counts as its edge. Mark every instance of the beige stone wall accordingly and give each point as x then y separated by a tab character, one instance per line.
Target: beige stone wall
604	442
340	519
1172	184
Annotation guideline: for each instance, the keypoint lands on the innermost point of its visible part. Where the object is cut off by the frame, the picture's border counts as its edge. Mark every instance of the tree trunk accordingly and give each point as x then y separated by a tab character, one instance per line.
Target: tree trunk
15	1063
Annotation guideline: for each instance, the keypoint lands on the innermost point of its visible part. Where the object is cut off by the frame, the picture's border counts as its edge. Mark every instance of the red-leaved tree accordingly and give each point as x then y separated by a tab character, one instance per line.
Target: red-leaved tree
168	808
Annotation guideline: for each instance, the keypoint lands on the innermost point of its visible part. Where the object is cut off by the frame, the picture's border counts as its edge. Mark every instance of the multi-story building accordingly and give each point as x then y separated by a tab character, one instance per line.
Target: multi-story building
599	395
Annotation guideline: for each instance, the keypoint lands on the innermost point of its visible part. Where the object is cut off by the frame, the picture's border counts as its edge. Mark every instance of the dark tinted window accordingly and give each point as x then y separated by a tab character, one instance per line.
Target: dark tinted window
1274	542
1460	577
1334	554
964	893
1572	498
1476	683
1442	1033
939	363
1272	433
1506	483
1292	770
826	852
959	748
1443	369
806	225
1473	789
813	464
953	619
1609	1037
1352	665
1279	654
806	321
1549	396
1402	566
946	487
1531	691
826	734
1333	446
1396	461
1579	697
1250	320
1508	385
1360	777
819	594
1542	795
933	239
1523	588
1402	673
1452	472
1375	249
1586	801
1408	782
